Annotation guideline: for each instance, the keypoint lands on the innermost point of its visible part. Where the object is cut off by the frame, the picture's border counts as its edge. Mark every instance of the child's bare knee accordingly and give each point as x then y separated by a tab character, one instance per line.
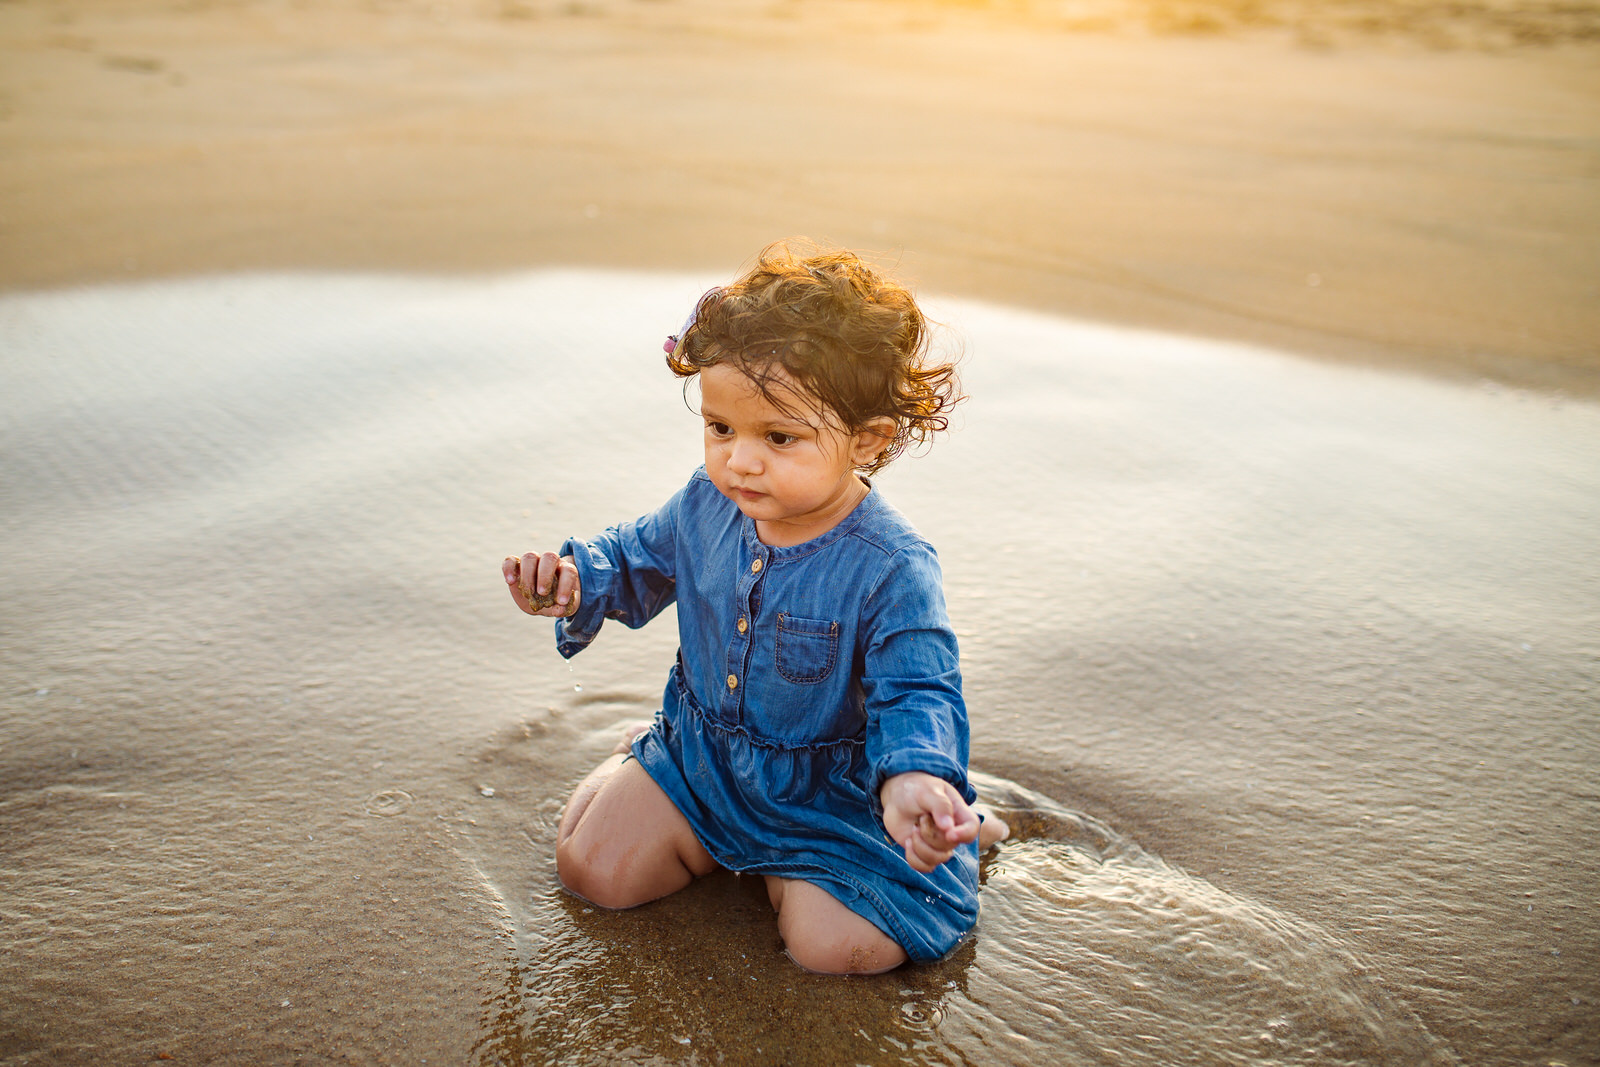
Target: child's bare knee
582	877
871	955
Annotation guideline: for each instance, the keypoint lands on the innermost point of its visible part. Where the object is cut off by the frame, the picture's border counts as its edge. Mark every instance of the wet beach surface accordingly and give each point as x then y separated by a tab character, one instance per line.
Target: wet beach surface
1287	671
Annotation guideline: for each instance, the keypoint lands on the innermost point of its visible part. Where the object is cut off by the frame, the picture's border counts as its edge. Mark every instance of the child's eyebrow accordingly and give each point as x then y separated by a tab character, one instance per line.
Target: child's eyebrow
785	423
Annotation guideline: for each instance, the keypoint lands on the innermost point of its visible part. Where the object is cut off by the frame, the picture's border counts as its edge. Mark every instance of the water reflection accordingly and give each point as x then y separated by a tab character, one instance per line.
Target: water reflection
1323	637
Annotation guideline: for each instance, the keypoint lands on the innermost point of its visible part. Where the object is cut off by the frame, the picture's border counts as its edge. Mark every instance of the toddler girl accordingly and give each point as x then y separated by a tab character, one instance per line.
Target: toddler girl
813	728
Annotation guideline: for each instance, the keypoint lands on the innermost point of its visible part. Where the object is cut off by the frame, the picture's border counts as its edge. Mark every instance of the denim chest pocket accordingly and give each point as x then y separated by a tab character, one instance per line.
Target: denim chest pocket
807	648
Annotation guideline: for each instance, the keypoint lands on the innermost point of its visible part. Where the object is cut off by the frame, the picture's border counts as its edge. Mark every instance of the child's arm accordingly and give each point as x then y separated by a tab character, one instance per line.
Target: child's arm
625	573
543	583
927	817
917	736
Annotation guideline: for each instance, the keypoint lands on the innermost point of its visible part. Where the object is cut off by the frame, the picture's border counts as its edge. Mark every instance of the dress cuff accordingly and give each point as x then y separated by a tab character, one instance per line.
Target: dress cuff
574	632
928	761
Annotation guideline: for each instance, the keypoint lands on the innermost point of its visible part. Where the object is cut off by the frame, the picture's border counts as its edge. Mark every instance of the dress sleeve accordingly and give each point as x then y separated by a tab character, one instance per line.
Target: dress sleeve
911	682
626	573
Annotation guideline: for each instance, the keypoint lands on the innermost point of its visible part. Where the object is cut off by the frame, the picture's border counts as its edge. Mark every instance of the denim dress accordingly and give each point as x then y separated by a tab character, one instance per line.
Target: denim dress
806	676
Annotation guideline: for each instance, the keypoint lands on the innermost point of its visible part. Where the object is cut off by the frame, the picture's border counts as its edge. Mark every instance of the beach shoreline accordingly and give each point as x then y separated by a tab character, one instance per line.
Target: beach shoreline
1388	197
311	313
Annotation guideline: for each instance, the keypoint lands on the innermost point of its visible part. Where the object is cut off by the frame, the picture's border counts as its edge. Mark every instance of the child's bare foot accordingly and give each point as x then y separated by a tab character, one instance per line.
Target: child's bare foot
992	830
629	732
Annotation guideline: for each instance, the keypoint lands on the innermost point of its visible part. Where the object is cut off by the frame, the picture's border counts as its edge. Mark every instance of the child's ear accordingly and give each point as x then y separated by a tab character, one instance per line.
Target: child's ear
873	439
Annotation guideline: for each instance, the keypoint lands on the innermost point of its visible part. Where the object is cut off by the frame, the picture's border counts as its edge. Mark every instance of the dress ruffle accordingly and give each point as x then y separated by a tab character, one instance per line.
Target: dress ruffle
806	811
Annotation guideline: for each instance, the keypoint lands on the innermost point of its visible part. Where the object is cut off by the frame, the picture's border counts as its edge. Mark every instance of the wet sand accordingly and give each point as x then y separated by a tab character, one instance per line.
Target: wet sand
1299	661
1291	661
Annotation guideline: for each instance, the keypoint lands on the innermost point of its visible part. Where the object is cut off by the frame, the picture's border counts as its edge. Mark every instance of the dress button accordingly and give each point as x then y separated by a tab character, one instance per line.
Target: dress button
733	682
755	566
743	625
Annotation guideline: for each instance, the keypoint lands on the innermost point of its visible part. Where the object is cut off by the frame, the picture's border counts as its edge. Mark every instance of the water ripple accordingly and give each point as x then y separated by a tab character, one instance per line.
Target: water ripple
1089	950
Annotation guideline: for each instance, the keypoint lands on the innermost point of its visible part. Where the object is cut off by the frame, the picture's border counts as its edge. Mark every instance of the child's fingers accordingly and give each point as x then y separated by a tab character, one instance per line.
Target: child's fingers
549	566
935	837
928	817
914	846
542	583
929	845
963	821
527	573
512	569
922	854
534	573
938	804
566	588
963	831
943	815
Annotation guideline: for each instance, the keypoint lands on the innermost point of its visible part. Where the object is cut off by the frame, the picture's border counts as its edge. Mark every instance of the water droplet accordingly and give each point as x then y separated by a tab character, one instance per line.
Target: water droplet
577	687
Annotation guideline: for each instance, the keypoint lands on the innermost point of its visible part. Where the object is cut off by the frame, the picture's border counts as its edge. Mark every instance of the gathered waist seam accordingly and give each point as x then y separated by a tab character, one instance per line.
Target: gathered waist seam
687	701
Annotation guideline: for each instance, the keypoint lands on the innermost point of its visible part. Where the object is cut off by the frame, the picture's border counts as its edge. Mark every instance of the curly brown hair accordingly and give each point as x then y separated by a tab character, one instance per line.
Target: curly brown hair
854	340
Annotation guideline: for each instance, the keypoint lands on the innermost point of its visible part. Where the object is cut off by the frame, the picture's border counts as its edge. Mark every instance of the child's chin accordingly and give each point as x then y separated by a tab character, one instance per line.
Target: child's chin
753	508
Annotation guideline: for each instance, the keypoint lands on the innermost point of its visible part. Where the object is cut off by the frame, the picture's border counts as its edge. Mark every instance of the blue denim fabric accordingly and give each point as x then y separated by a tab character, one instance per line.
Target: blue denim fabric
775	735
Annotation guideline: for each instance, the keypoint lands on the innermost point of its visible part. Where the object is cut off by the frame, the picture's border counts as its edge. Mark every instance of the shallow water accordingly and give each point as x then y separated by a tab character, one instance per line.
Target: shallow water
1288	671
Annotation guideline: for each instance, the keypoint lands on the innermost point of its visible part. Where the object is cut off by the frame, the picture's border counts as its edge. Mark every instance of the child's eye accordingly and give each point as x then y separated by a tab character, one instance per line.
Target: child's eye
719	429
780	439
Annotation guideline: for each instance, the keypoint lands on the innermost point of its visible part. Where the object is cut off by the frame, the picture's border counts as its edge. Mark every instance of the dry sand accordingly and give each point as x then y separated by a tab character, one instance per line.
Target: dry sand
1406	183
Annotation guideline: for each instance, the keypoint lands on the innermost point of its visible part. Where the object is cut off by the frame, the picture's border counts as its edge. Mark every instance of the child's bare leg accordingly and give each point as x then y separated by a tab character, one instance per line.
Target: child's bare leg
578	803
823	935
629	732
622	843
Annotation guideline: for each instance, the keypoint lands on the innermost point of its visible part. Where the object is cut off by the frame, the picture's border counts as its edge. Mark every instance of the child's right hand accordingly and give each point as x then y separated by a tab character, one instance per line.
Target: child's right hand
926	817
543	583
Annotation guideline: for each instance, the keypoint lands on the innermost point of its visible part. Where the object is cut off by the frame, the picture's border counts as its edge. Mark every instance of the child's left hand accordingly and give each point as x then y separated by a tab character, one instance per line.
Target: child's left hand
927	817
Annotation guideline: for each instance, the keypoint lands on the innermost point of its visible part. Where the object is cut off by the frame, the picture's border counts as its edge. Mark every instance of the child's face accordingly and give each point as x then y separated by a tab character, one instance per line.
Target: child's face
795	476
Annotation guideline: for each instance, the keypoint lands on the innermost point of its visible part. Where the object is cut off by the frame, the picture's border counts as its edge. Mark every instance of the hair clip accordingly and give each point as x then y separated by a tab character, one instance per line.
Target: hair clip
670	345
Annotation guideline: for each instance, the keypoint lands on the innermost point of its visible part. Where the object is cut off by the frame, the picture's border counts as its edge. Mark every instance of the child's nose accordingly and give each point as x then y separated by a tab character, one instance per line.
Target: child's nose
746	458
